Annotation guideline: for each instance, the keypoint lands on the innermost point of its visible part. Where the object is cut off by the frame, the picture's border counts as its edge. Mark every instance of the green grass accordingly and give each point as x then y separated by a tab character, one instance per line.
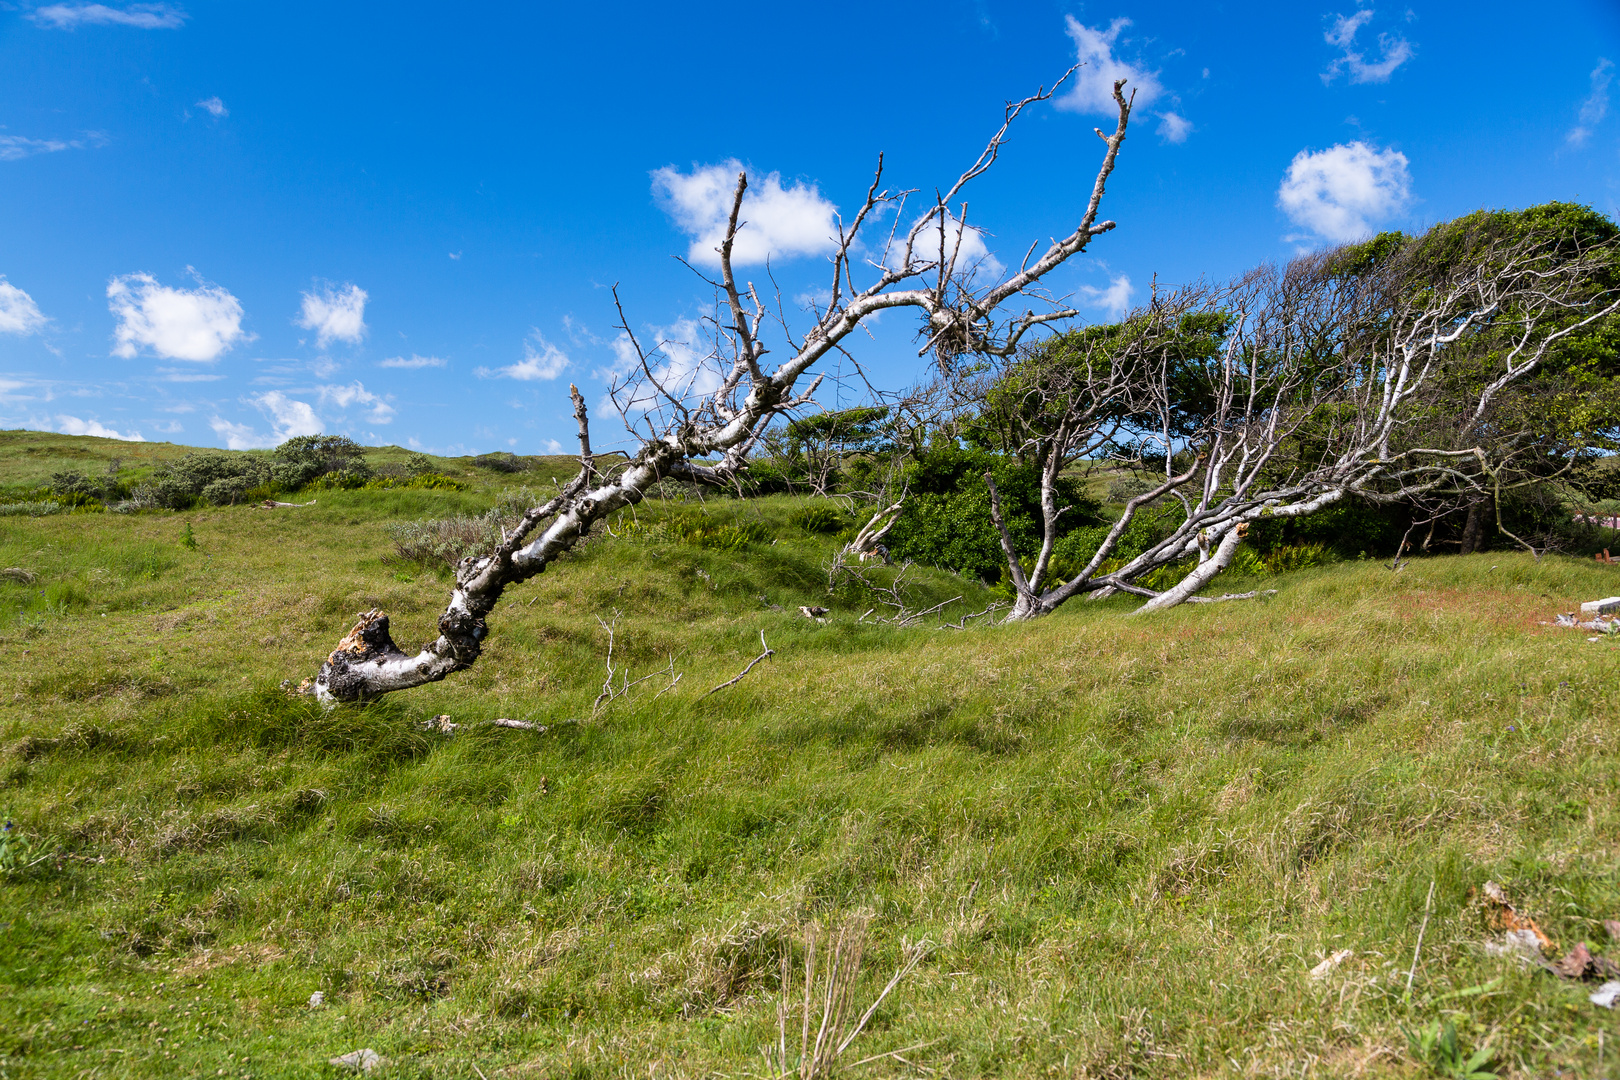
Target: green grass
1127	839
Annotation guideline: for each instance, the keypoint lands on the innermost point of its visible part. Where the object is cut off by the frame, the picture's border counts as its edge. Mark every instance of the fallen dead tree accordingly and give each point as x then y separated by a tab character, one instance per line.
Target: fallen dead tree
919	268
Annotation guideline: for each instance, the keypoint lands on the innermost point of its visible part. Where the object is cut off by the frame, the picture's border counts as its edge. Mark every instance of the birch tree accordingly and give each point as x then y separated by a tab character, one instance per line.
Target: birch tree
916	267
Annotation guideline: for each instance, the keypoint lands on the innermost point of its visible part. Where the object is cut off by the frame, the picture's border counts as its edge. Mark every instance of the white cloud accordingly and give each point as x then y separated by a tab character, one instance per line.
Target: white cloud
412	362
72	425
1094	83
240	436
356	394
1115	300
1173	127
1342	36
140	16
180	375
553	446
18	312
1595	107
544	363
16	147
170	427
176	324
1338	192
776	221
288	418
335	314
215	107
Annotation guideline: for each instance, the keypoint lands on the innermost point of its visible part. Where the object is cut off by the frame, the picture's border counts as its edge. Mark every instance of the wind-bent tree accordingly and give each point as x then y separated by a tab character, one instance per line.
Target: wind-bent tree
1332	380
916	268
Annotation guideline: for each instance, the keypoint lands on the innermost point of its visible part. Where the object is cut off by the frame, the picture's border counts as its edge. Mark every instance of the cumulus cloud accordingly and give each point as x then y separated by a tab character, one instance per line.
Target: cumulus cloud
176	324
1115	300
1339	192
553	446
140	16
778	222
215	107
357	395
18	312
1094	83
288	418
1395	50
72	425
335	314
1173	127
412	362
542	363
1595	107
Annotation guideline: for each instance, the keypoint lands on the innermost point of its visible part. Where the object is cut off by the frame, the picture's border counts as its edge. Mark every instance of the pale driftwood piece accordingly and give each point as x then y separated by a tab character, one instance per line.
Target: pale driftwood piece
685	421
769	652
518	725
18	574
1230	596
271	504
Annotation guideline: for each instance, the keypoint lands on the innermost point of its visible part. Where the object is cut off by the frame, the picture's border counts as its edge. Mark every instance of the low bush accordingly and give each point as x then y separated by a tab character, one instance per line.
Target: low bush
445	541
718	536
501	462
818	517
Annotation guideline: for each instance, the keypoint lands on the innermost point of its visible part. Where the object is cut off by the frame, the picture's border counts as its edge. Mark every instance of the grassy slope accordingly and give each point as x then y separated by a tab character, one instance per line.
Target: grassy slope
1128	839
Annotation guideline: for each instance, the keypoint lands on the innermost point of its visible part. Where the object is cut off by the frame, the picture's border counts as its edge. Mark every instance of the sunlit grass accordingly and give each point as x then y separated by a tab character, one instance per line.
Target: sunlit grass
1127	839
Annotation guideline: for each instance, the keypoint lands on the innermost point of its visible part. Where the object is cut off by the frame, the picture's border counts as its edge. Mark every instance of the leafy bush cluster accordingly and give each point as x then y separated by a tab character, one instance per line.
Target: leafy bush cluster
74	489
947	517
225	479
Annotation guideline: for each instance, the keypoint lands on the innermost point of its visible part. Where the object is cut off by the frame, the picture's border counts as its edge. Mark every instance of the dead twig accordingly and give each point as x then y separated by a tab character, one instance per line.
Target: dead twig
769	652
961	624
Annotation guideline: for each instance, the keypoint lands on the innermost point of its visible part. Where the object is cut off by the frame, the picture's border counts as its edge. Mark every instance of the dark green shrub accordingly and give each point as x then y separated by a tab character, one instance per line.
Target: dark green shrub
947	517
501	462
301	459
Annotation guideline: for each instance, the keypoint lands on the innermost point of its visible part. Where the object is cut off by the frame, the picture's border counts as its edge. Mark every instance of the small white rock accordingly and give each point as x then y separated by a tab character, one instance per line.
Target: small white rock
1605	995
1601	607
359	1060
317	999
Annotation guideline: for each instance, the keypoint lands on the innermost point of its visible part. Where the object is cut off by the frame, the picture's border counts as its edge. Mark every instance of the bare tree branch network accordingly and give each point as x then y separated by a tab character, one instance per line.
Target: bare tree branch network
1285	392
717	413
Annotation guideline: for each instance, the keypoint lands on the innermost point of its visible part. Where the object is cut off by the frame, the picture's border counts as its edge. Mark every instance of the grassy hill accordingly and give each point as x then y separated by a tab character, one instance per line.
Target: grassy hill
1123	841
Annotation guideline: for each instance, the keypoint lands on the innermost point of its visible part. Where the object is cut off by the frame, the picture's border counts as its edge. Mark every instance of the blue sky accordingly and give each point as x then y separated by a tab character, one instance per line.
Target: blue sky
228	223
